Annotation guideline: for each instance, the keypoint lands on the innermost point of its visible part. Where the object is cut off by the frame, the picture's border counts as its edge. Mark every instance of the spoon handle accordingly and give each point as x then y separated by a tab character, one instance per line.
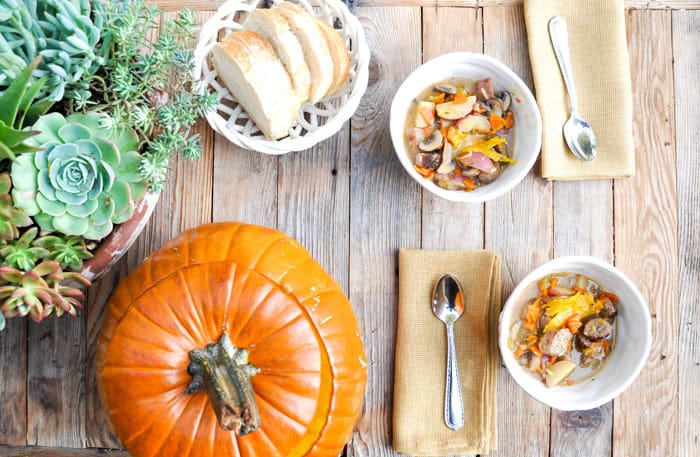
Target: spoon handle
454	409
559	34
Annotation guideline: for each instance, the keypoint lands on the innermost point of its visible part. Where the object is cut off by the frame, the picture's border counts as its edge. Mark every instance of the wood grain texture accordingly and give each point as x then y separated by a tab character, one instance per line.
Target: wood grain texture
245	185
314	202
630	4
583	215
34	451
451	225
686	54
646	243
519	226
384	215
13	384
56	382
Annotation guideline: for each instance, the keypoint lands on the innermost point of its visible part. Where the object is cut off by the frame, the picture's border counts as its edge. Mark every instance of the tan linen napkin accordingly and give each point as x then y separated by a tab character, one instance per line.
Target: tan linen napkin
421	354
602	78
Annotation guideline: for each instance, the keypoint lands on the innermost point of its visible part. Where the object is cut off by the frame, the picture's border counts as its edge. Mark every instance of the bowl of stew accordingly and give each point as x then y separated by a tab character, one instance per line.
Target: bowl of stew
575	333
465	127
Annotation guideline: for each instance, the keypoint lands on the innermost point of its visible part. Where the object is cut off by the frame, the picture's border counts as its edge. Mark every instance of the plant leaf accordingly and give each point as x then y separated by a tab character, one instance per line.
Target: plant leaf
11	137
36	110
11	99
2	322
27	100
5	152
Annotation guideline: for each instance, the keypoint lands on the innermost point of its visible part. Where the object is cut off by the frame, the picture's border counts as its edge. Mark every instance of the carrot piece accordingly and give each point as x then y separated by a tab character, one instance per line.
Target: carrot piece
536	350
574	323
460	97
606	347
534	310
469	183
570	382
613	298
424	172
520	351
552	283
517	100
510	121
497	122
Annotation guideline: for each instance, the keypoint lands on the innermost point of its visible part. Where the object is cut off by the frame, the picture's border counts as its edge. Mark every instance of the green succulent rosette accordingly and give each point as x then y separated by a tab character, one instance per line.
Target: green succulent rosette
85	180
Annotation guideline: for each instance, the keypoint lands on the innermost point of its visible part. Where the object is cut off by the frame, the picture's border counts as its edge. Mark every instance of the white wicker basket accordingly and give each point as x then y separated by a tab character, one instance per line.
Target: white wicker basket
315	122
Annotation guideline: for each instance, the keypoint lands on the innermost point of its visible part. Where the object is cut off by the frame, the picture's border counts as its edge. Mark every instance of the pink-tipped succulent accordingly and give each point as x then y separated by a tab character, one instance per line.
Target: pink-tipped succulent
40	292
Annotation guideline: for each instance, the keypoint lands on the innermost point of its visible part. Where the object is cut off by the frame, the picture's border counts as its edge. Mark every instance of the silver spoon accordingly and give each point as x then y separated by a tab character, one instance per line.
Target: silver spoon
448	306
577	132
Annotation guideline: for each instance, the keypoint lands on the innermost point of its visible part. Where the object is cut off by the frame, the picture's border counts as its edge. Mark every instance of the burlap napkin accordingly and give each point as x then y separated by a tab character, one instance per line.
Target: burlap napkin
602	77
421	354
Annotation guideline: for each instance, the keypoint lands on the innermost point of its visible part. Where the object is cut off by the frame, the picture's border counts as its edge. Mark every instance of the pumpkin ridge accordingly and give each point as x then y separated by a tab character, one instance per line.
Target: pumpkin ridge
261	342
277	408
157	413
191	302
165	305
254	264
229	292
254	307
165	330
190	439
243	278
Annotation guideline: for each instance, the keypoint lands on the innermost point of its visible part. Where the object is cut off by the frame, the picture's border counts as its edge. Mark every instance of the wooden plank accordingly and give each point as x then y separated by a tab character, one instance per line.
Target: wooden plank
630	4
13	373
384	215
519	227
34	451
55	382
583	225
185	202
686	55
245	185
314	202
448	30
646	248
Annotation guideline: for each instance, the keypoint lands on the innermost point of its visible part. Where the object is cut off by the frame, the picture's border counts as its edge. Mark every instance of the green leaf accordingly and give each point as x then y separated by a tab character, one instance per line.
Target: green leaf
83	210
11	99
50	207
27	100
2	321
129	168
121	194
71	225
12	137
70	133
5	152
24	174
104	211
26	200
97	232
37	110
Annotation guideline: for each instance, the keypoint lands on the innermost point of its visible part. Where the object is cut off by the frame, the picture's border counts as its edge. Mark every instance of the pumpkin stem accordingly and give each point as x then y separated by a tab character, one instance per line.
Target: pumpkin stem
223	371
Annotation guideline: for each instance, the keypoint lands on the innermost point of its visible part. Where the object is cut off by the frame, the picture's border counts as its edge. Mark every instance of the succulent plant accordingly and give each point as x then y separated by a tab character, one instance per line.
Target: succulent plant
69	252
22	254
11	218
85	180
40	292
66	33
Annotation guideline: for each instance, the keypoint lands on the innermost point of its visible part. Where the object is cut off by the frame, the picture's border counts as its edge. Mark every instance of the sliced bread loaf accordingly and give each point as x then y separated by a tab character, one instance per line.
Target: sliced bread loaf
339	55
248	66
314	45
274	28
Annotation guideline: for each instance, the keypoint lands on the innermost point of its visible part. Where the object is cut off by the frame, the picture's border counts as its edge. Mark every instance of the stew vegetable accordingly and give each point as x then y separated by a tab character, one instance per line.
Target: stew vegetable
567	332
456	133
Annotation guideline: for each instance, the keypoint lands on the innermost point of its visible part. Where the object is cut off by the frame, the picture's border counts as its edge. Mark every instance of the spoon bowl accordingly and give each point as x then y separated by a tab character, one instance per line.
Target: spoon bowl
580	138
448	306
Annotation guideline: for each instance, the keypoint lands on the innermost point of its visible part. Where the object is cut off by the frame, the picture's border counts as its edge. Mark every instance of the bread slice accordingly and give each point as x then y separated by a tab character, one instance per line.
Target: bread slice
314	45
274	28
248	66
339	55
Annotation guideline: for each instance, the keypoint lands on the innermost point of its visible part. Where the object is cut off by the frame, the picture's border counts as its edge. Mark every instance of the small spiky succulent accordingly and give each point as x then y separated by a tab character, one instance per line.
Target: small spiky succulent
40	292
11	217
84	180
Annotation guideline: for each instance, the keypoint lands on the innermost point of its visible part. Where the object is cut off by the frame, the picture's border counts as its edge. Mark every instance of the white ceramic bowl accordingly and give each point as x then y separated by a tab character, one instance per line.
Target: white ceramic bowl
624	362
526	135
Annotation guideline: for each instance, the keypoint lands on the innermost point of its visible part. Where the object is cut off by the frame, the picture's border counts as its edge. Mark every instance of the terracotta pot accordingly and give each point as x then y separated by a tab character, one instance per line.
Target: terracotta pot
120	240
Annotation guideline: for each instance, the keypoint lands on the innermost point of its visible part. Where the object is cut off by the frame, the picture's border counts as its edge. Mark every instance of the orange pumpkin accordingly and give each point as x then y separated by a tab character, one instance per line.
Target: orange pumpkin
292	385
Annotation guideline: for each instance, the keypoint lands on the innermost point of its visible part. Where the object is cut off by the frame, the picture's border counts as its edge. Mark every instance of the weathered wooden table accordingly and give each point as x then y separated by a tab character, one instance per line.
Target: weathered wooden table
349	201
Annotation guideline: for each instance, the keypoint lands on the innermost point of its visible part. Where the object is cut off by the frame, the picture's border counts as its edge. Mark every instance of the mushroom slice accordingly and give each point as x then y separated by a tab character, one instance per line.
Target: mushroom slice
474	122
446	88
506	99
431	142
495	106
448	155
453	111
